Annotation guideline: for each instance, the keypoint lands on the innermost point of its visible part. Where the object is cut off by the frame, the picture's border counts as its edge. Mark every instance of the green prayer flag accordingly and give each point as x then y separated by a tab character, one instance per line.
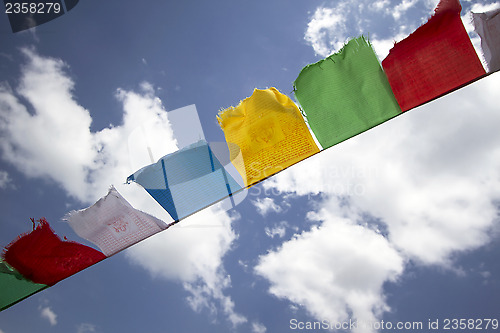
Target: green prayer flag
14	287
345	94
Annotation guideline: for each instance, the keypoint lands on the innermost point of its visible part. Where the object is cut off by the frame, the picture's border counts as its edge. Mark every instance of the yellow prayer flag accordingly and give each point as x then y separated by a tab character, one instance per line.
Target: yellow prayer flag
270	132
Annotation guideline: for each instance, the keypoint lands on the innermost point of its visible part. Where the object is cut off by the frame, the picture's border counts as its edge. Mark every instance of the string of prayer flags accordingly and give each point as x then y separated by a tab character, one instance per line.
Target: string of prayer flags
270	131
187	180
42	257
487	26
435	59
113	224
341	96
345	94
14	287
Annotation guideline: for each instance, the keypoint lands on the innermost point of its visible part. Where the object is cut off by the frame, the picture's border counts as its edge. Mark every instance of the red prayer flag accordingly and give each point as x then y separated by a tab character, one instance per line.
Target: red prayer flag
435	59
42	257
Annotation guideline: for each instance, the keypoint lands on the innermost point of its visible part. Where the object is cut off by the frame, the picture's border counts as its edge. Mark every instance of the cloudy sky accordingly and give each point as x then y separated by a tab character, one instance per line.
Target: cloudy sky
399	224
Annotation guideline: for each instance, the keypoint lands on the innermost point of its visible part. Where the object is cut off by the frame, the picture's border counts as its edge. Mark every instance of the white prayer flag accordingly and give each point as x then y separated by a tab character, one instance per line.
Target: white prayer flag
487	26
113	224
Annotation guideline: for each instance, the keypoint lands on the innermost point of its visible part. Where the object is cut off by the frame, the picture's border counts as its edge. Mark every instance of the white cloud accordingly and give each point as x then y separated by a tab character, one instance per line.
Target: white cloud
480	7
195	257
85	328
53	131
278	230
258	328
330	27
383	46
402	8
53	140
381	5
384	22
56	142
431	4
242	264
333	270
485	274
431	174
326	30
50	315
202	297
430	178
196	249
266	205
4	179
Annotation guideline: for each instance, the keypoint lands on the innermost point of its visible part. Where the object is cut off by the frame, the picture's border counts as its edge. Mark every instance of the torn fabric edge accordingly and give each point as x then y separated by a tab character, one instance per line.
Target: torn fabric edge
434	60
487	26
113	224
270	131
331	110
42	257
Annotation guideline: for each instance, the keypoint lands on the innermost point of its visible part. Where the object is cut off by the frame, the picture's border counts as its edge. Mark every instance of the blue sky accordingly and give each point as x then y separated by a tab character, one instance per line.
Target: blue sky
397	224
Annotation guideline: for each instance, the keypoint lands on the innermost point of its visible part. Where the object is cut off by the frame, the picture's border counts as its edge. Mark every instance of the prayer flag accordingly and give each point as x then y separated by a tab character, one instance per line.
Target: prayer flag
113	224
345	94
487	26
187	180
14	287
434	60
42	257
270	131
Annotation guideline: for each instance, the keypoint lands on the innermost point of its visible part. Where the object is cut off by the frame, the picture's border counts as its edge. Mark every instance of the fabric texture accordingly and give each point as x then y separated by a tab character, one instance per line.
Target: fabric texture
487	26
187	180
435	59
345	94
14	287
270	131
42	257
113	224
